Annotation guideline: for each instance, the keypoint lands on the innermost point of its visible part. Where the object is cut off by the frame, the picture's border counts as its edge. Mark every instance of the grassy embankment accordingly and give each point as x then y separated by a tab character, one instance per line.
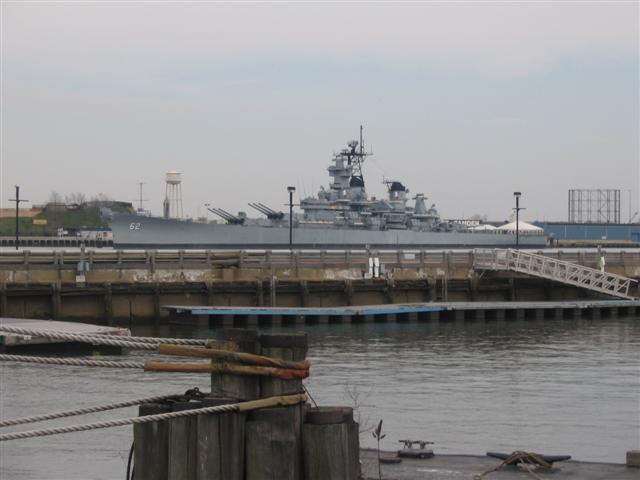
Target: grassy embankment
88	217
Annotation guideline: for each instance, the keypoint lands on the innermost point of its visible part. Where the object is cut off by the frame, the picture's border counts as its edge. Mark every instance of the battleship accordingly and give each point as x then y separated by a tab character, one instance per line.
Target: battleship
338	217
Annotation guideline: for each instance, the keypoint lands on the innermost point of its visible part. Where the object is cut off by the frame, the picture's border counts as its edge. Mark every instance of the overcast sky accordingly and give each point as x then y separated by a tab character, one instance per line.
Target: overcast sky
464	102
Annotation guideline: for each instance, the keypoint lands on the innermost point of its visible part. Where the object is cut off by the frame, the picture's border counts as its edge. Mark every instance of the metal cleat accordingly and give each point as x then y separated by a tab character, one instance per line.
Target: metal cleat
410	452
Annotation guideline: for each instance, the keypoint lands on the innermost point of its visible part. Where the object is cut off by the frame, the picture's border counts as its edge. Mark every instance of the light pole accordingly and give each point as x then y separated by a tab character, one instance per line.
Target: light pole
17	200
517	209
291	190
206	206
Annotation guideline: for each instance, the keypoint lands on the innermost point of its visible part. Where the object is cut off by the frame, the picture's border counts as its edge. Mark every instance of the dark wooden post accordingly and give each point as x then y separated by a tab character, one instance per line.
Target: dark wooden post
274	444
331	444
183	441
234	386
151	444
221	443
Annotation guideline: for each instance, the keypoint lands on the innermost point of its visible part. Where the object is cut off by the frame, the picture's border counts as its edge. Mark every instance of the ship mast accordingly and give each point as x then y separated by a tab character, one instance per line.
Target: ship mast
356	157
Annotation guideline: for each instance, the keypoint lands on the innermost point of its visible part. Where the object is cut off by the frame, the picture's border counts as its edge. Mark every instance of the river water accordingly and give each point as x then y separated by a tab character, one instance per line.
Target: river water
557	387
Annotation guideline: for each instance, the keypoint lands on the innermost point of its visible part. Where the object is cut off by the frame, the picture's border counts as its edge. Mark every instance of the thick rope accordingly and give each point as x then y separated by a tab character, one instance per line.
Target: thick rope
83	411
113	341
70	361
244	406
99	337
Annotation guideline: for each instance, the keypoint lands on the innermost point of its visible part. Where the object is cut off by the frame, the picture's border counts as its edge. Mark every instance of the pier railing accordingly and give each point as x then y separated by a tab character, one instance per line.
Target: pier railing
195	259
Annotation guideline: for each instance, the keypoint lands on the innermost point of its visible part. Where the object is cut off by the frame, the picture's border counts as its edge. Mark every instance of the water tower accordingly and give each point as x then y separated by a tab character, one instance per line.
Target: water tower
173	195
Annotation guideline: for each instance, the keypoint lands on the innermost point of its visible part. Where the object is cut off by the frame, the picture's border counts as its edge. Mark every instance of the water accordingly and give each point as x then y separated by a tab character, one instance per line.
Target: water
560	387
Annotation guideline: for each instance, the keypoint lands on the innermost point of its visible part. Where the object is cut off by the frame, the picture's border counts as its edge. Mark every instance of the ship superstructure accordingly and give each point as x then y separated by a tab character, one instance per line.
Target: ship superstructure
342	215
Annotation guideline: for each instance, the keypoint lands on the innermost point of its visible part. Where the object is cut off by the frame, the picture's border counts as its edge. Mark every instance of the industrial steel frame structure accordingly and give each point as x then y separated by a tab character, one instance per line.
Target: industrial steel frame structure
594	206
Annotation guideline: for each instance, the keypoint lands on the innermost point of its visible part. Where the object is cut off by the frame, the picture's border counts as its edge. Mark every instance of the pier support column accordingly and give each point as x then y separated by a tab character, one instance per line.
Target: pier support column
210	296
108	304
594	313
56	301
479	315
473	285
348	292
259	293
273	285
304	293
156	303
3	300
458	315
432	294
433	316
252	320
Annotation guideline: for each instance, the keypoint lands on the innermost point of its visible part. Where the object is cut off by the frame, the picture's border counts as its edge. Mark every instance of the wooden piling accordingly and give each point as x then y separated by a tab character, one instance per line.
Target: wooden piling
331	447
221	443
183	441
286	346
274	444
151	444
234	386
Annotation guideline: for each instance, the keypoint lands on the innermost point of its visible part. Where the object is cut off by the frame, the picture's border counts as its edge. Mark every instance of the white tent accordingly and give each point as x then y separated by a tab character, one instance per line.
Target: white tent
482	228
522	227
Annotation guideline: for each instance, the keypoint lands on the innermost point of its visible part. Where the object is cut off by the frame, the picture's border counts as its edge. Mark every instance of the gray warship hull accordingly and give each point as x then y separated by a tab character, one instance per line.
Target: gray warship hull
140	232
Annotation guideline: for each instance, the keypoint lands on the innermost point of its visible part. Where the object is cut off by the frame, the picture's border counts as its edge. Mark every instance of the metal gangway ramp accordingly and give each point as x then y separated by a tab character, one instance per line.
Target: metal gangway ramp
552	269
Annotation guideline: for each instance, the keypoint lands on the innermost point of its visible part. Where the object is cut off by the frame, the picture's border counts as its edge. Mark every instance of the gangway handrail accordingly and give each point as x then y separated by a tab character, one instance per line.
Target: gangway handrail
554	269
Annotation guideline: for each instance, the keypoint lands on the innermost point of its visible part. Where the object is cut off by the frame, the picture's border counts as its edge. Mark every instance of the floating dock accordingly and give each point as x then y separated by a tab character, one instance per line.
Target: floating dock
15	343
464	467
210	316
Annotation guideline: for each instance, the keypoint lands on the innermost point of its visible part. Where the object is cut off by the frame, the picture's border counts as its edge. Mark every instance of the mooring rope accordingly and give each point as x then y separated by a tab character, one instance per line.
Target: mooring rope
94	339
84	411
101	338
519	457
70	361
244	406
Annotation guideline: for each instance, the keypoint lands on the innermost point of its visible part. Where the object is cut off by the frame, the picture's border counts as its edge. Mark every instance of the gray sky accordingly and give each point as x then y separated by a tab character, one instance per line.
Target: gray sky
464	102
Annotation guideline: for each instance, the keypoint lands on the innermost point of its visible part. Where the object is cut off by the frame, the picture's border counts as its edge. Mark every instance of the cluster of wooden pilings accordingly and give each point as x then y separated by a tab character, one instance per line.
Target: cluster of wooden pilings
295	442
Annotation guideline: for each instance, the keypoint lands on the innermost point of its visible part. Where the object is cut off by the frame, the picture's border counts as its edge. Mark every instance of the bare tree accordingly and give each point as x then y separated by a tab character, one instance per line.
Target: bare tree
101	197
76	197
357	399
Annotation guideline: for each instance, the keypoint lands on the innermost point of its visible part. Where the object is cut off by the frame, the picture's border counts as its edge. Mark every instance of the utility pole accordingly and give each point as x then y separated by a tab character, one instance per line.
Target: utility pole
17	200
